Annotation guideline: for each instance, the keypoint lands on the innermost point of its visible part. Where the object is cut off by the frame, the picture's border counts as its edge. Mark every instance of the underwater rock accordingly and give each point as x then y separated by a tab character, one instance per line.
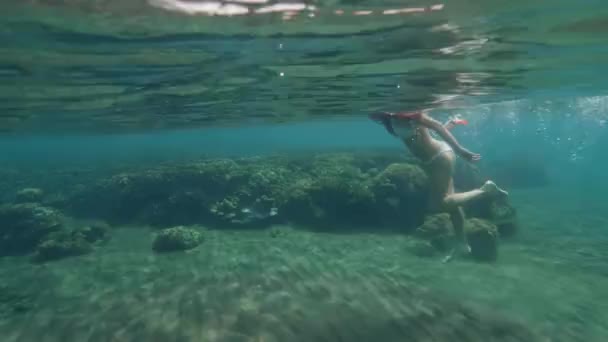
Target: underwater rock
499	212
400	191
398	179
95	232
438	230
29	195
73	239
230	211
504	216
482	236
278	231
325	189
23	226
183	194
176	239
342	195
181	207
61	245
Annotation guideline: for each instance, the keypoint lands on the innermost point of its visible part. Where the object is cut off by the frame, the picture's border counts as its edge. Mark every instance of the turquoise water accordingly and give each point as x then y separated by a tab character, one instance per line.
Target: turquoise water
246	124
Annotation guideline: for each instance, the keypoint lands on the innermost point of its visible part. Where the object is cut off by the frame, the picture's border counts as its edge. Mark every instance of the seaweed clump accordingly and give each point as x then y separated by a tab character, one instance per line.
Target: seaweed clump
176	239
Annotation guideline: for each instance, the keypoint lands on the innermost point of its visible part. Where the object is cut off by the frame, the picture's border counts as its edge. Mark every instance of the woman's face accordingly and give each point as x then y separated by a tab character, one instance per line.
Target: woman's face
403	128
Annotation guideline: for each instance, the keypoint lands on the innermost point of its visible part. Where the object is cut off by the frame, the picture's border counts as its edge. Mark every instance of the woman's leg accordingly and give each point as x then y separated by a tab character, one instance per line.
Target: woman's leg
458	199
443	198
442	188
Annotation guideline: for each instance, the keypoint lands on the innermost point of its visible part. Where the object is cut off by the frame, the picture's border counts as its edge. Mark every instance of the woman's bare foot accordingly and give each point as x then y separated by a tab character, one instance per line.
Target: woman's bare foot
491	188
461	249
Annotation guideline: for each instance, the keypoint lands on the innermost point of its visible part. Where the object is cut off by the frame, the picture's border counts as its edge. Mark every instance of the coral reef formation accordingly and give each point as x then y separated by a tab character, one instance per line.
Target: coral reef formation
338	191
332	189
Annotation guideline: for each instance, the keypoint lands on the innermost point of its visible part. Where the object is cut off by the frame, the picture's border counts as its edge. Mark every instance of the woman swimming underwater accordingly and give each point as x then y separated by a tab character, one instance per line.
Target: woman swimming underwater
438	158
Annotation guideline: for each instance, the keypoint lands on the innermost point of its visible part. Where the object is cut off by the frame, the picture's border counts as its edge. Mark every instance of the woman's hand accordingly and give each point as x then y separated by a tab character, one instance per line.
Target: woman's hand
469	156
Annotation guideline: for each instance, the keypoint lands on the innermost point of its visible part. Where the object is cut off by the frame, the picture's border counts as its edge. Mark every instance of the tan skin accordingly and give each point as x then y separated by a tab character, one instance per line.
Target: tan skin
440	171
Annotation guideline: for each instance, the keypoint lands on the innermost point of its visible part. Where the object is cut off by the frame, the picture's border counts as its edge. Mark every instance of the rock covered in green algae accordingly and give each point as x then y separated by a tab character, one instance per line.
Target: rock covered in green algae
504	216
438	230
23	226
278	231
483	239
323	189
176	239
482	235
399	179
71	241
31	227
400	191
61	245
94	232
499	212
343	195
29	195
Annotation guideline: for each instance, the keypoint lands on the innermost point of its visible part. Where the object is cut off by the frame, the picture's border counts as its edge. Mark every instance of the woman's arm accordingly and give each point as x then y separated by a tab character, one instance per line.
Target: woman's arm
436	126
453	121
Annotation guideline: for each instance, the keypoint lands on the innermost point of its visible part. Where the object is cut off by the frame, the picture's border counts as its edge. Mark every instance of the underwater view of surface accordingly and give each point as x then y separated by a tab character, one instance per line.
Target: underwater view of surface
201	170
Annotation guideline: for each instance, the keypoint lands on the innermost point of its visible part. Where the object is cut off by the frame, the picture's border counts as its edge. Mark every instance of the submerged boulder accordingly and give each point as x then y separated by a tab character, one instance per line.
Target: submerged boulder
176	239
23	226
72	240
29	195
61	245
95	232
329	190
498	211
437	229
400	191
482	236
